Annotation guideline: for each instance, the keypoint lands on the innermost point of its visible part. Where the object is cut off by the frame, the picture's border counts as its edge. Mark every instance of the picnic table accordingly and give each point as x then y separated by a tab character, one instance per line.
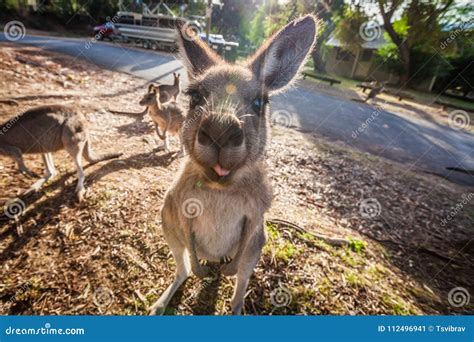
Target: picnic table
399	94
330	80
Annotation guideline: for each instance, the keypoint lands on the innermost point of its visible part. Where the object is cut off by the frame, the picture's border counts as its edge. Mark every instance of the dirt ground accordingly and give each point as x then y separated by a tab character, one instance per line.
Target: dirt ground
403	252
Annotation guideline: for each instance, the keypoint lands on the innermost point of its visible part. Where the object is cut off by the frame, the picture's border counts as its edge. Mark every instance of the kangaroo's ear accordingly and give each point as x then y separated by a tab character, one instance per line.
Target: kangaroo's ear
195	54
151	88
277	62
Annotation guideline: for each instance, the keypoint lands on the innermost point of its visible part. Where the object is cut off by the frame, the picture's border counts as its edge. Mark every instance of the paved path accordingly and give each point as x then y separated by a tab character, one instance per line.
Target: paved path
419	143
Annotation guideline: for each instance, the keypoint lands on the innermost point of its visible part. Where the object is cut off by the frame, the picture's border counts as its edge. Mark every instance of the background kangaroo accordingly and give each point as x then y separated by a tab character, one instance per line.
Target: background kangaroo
49	129
215	208
167	92
166	117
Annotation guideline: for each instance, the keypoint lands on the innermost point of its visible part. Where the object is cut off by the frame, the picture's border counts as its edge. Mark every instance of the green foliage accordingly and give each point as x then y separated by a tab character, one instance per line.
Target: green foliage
347	30
256	33
356	245
8	5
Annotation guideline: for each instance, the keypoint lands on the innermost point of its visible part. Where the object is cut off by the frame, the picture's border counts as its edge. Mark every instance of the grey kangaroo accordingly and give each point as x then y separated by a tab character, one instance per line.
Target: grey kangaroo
214	210
166	117
167	92
47	129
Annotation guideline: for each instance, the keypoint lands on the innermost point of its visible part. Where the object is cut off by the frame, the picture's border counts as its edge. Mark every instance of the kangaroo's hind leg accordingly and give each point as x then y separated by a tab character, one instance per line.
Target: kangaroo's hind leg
183	269
17	155
247	263
50	168
50	172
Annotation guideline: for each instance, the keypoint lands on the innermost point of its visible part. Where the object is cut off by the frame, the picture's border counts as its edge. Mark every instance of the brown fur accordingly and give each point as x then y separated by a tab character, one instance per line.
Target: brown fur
168	92
47	129
166	117
215	208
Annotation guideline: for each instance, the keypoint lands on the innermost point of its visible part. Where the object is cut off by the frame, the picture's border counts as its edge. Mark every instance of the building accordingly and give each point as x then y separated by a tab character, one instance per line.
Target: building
361	65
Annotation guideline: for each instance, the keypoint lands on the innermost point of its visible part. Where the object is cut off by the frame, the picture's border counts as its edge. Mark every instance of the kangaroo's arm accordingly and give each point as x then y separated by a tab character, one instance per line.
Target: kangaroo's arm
198	269
248	232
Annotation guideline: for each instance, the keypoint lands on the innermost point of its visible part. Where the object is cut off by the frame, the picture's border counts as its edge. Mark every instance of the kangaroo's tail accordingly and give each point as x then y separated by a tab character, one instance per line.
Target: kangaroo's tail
92	158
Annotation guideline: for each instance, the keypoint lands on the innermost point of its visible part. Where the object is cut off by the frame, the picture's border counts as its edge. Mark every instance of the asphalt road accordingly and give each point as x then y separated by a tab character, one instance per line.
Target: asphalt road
418	143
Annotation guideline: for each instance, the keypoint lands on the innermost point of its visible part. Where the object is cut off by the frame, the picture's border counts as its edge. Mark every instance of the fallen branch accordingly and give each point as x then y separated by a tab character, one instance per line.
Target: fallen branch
337	242
10	102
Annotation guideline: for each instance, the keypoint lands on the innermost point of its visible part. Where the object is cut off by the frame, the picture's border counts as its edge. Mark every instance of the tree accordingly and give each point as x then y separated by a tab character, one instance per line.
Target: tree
422	26
413	28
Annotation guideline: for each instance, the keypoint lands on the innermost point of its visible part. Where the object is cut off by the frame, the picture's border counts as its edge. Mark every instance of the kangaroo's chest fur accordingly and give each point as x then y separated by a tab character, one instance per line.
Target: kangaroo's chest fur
219	227
216	215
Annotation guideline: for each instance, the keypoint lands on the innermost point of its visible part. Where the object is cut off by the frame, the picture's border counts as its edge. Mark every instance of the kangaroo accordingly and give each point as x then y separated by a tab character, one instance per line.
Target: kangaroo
214	210
167	117
47	129
170	91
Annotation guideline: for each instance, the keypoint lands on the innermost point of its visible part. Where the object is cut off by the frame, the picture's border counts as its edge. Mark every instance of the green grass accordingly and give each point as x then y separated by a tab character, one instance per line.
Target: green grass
281	249
356	245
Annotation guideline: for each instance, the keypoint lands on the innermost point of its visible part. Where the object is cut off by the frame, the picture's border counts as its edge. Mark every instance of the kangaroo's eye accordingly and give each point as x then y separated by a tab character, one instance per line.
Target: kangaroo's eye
258	104
196	99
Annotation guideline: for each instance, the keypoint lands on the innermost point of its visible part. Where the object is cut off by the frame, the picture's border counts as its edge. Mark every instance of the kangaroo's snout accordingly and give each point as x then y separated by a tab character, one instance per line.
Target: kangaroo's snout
220	147
221	132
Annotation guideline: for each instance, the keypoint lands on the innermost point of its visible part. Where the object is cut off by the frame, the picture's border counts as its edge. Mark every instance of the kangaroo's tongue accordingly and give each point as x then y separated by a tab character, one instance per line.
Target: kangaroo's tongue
220	171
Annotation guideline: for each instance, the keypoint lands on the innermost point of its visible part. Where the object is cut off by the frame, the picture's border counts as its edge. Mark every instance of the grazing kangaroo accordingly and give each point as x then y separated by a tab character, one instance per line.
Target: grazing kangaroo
215	209
48	129
170	91
167	117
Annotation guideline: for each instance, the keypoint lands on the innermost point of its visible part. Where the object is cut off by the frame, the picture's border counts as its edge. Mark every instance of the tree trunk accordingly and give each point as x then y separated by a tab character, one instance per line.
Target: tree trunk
403	50
318	60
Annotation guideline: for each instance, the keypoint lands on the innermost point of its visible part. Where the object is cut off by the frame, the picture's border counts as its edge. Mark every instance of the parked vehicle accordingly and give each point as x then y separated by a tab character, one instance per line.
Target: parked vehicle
107	30
154	30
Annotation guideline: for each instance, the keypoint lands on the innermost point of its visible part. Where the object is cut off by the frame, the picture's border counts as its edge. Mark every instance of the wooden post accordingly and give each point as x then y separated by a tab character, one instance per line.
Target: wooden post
356	61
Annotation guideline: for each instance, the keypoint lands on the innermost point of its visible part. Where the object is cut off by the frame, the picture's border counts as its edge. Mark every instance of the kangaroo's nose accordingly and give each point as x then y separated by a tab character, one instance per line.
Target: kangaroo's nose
221	131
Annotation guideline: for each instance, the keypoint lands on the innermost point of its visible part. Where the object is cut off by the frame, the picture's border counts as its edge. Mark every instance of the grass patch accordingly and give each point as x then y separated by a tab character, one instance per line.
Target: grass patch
357	245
